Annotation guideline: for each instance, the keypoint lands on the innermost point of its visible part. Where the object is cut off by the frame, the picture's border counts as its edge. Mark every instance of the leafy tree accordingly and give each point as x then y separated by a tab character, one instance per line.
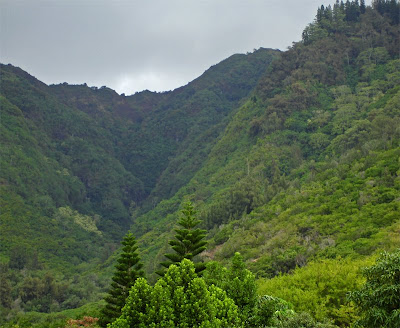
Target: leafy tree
18	258
241	286
5	291
238	283
127	271
379	299
189	241
271	311
319	288
179	299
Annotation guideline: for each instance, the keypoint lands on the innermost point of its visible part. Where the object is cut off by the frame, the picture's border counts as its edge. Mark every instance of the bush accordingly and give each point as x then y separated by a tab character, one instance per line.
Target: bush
379	299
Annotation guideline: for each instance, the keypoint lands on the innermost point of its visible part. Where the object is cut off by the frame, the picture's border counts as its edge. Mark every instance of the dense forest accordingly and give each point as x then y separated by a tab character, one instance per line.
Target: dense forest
265	193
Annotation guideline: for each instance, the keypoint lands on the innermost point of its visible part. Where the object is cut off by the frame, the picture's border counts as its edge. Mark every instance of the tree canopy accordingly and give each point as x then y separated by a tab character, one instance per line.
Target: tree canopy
379	298
179	299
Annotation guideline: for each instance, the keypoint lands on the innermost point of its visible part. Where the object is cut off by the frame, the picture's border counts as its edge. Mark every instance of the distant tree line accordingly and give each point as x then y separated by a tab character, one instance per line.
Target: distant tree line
333	19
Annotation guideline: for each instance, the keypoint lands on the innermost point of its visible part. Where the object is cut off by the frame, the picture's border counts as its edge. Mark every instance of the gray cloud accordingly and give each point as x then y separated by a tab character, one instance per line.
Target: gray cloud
134	45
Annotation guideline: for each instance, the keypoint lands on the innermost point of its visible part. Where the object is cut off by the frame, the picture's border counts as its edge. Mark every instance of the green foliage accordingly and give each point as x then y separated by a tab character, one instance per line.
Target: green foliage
179	299
239	285
44	267
337	19
128	269
341	211
303	320
189	241
76	164
86	222
378	300
271	311
288	165
324	109
319	288
53	320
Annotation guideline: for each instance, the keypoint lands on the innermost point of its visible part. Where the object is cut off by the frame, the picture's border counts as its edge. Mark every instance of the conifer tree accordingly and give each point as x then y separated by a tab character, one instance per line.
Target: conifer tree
362	6
189	241
320	13
342	8
128	269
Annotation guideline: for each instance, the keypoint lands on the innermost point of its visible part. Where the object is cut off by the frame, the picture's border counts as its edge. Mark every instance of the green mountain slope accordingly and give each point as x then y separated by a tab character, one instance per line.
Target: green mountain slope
114	147
75	144
289	163
153	132
308	167
75	162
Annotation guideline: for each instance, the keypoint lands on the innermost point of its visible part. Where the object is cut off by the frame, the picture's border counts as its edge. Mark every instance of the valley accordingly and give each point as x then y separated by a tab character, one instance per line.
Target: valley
291	158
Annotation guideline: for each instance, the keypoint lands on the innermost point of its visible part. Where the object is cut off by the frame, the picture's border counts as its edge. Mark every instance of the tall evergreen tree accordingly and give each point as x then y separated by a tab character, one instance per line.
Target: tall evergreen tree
320	13
189	241
393	9
362	6
128	269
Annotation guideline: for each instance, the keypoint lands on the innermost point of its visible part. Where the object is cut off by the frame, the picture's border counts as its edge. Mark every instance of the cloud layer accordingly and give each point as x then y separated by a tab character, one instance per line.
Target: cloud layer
134	45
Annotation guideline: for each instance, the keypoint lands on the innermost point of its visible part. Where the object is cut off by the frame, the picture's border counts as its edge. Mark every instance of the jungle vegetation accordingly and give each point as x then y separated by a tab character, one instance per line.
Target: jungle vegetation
290	159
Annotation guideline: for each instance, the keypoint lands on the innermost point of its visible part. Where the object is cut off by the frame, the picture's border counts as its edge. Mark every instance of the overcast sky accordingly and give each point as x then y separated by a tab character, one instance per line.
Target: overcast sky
131	46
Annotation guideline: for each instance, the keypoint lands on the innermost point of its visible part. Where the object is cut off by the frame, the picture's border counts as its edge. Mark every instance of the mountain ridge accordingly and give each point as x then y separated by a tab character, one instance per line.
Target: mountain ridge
75	128
291	166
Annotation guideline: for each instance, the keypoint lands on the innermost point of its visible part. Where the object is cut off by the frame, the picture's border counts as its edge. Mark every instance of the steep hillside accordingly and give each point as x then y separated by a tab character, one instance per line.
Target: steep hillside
90	131
309	165
74	144
76	162
296	164
153	133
